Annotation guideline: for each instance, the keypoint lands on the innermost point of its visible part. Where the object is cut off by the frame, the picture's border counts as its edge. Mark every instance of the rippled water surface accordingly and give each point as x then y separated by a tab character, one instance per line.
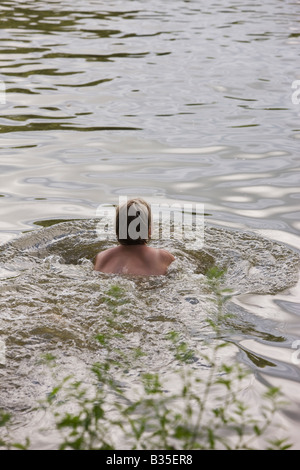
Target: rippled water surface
181	101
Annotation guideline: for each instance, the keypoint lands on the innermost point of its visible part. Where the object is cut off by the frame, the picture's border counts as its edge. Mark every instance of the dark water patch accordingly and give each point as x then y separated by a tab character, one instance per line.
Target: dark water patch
252	263
51	126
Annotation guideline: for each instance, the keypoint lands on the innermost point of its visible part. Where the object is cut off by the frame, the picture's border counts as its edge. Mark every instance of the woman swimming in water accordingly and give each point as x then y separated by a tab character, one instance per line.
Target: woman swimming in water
133	255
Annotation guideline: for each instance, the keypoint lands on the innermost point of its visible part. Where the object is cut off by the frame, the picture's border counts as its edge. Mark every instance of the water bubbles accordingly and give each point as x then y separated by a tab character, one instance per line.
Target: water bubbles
53	302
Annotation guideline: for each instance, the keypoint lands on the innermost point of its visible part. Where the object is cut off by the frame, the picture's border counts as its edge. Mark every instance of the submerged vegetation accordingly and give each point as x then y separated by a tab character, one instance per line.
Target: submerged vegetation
207	410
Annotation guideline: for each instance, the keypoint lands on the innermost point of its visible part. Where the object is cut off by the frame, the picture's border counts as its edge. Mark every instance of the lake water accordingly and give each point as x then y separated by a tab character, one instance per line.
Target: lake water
177	102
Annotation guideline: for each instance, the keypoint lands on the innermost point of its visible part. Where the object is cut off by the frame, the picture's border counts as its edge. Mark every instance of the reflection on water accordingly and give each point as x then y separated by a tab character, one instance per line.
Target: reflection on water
185	104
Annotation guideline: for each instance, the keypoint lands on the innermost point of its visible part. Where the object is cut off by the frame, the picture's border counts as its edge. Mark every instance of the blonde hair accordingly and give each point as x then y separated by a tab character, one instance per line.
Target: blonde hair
131	215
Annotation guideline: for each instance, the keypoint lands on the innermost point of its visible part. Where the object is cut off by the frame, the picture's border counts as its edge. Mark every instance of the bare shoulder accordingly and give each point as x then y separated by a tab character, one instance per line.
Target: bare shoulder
166	256
106	253
103	257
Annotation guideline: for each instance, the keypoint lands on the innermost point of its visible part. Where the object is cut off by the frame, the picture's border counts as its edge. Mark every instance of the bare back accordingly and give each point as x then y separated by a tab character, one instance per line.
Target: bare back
135	259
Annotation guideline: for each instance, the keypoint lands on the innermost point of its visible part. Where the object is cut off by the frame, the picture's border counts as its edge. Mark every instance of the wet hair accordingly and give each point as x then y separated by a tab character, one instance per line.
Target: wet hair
133	222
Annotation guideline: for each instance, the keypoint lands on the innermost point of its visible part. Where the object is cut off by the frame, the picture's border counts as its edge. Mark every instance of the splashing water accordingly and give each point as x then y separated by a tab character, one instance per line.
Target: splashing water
53	302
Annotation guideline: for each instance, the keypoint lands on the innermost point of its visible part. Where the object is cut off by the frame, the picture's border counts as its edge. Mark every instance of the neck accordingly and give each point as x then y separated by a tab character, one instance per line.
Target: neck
131	247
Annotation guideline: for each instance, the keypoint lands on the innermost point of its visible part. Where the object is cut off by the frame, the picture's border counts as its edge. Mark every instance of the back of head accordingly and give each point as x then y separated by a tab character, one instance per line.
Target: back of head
133	222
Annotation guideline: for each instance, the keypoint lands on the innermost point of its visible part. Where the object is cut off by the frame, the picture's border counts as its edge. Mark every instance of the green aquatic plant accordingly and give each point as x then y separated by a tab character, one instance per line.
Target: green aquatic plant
203	411
6	441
